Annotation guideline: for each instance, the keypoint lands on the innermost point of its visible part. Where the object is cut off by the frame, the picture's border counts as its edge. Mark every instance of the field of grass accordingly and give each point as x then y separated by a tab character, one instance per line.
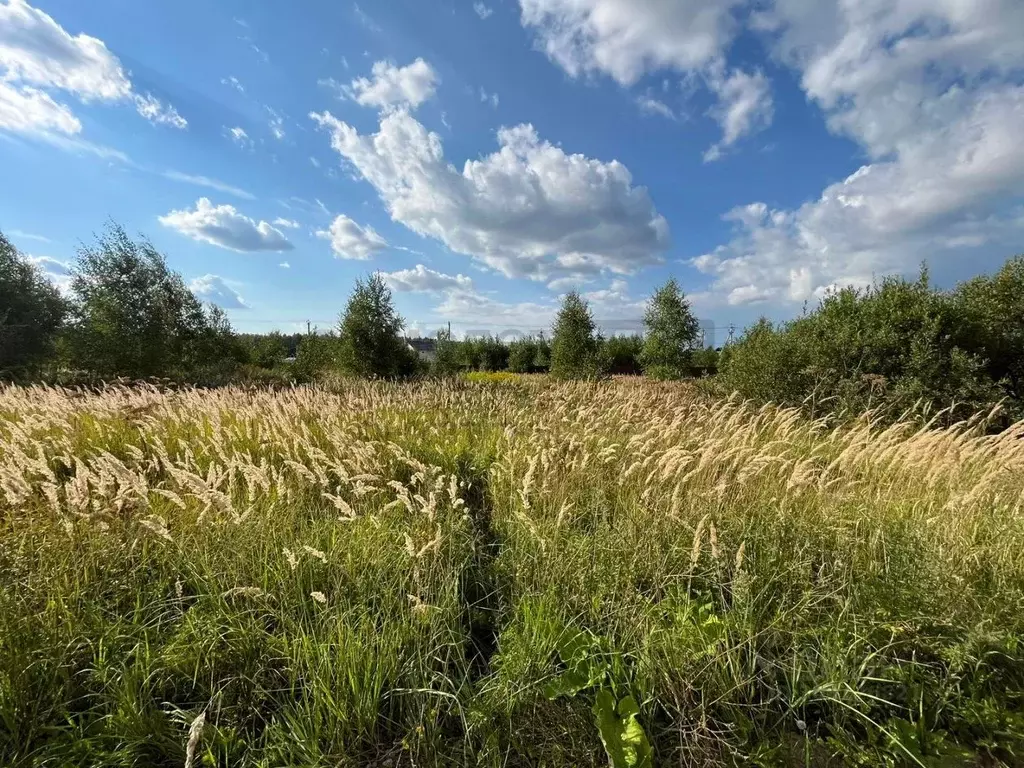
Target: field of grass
515	574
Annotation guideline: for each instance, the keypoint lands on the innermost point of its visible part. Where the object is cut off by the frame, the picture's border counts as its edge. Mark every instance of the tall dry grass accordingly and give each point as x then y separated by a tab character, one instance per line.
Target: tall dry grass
408	574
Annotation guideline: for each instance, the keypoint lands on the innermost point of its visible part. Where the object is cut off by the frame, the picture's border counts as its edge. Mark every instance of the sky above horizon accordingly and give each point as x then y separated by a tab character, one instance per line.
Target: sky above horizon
489	156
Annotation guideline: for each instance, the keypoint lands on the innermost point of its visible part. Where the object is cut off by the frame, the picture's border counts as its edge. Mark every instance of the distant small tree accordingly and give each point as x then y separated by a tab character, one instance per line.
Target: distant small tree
447	354
522	355
493	354
215	349
542	360
575	350
32	312
623	353
370	343
315	354
132	315
268	350
672	333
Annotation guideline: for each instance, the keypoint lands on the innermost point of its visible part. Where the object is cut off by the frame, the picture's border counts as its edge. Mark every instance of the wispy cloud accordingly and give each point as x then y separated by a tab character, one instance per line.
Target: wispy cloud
652	106
28	236
206	181
364	18
232	82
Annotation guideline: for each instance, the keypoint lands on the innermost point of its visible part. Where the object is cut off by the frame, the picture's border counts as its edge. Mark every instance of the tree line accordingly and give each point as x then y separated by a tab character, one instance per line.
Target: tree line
127	314
900	347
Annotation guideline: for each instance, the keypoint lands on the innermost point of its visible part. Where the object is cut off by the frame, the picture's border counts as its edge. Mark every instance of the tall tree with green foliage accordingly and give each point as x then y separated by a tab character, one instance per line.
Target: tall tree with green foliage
370	342
672	333
32	312
575	349
134	316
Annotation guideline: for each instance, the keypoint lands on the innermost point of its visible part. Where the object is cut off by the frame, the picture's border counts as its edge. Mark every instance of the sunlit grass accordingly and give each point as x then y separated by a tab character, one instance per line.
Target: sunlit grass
460	573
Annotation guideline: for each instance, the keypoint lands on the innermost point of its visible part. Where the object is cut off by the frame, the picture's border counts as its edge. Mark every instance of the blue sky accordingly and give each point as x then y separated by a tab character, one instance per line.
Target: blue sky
488	156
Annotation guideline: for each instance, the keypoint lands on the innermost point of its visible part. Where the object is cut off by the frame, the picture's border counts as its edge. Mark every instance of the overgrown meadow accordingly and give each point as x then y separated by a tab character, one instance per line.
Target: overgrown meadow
502	573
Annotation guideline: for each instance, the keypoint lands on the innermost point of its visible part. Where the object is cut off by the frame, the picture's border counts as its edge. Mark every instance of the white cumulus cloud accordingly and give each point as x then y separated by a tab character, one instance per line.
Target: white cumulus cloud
528	210
48	264
216	290
932	94
224	226
37	55
351	241
392	86
421	279
626	39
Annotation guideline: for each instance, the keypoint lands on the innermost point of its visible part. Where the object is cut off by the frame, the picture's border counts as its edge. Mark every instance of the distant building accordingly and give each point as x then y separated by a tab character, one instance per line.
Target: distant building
425	349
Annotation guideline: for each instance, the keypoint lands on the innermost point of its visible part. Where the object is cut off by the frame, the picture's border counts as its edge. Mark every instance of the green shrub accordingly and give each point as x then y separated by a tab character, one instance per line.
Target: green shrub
622	354
992	309
316	354
895	346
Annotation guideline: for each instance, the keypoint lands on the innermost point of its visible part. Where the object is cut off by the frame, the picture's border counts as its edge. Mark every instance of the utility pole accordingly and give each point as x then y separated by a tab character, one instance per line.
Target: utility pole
308	331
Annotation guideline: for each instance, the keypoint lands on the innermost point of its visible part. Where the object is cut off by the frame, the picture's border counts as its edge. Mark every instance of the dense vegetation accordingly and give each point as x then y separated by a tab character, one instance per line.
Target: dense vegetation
899	347
538	573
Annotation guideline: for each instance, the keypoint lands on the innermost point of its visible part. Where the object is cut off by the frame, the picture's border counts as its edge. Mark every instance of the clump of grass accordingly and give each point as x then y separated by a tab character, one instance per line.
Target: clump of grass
493	377
548	574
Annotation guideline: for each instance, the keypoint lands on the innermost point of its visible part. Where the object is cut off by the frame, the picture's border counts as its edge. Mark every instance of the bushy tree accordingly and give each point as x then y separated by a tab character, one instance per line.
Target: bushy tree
622	353
316	354
575	350
267	350
767	364
672	333
370	343
542	360
493	354
992	312
447	354
32	312
216	352
522	354
133	316
892	346
704	362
